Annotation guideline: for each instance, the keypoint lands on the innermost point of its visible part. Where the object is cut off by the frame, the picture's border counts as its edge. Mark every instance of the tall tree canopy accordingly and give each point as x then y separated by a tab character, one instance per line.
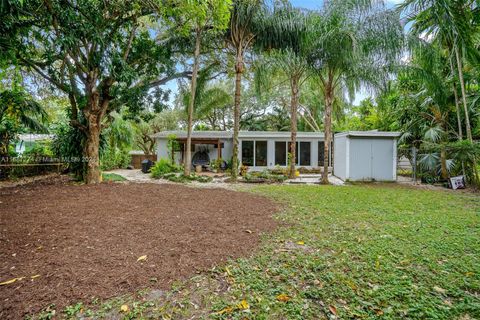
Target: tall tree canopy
284	40
354	45
98	53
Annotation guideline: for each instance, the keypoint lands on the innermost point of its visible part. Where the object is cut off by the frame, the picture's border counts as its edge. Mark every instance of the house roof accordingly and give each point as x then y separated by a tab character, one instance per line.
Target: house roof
195	134
241	134
369	134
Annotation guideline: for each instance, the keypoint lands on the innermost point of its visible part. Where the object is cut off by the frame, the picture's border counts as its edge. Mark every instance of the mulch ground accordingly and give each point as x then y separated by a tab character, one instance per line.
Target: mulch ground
76	242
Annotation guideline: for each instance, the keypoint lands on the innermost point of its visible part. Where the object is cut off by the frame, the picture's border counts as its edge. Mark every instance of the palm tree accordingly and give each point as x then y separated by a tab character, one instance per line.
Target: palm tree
199	18
283	40
240	36
354	44
451	23
18	111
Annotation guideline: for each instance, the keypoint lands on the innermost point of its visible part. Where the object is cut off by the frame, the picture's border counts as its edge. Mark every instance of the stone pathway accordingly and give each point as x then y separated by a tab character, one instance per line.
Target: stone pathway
315	179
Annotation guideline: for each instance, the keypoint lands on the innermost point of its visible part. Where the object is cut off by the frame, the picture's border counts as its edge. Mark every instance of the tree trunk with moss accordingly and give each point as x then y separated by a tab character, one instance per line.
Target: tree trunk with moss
294	86
193	88
239	69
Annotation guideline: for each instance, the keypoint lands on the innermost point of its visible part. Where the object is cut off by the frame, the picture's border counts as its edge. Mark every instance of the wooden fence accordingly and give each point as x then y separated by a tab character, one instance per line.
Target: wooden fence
138	158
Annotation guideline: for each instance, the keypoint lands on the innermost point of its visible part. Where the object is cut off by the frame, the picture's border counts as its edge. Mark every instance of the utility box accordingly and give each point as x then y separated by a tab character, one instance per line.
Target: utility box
365	156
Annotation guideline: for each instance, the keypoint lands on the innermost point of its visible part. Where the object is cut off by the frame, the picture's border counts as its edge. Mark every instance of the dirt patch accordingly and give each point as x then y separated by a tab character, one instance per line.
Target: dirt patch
82	242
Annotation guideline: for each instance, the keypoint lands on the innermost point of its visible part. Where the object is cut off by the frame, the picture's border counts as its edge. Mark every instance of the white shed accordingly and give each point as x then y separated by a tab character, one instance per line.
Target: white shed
365	156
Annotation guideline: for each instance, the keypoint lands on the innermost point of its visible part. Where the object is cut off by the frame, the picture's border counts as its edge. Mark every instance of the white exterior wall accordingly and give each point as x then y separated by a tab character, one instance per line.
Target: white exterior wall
162	150
340	151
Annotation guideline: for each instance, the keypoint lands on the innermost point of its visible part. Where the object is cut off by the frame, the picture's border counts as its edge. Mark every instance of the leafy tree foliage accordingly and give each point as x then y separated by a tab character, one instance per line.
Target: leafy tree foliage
18	112
98	53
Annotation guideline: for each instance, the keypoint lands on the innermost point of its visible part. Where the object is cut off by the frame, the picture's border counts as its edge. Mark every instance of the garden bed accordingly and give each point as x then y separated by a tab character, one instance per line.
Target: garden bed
80	243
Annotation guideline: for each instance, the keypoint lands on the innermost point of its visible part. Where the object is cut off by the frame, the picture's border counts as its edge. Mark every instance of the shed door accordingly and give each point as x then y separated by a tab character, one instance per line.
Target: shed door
382	159
371	159
360	159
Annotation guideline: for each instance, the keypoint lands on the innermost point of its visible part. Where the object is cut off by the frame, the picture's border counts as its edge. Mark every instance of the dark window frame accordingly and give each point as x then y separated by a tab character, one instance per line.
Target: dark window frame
285	150
256	153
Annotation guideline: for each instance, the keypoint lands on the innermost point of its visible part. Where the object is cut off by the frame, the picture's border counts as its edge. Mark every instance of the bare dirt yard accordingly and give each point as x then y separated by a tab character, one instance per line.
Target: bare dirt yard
65	243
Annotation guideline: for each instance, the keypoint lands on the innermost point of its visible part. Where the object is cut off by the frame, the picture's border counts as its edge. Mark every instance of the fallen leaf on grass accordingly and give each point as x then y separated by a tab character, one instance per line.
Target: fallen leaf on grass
124	308
379	312
142	258
243	305
11	281
333	310
225	310
300	243
283	297
439	290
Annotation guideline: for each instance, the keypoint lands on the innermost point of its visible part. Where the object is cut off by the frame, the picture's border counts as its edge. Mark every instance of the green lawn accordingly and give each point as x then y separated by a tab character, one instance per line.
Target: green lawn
357	252
112	177
368	252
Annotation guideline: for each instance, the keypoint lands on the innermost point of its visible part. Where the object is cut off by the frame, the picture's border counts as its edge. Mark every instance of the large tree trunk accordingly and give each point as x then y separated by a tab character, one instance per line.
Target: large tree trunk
462	86
327	133
293	125
457	108
193	88
443	163
239	68
92	144
457	104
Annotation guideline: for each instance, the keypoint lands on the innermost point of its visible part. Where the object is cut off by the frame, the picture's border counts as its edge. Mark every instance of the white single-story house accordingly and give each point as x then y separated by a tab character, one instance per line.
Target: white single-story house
357	155
259	150
366	156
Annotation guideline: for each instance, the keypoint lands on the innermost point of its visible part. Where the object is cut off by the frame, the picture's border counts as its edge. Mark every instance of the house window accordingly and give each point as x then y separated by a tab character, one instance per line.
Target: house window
296	151
321	153
261	153
304	154
247	153
281	153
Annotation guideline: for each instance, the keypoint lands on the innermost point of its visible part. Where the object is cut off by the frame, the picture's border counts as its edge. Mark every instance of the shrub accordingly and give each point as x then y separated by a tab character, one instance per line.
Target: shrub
264	176
68	147
243	170
112	177
184	179
41	149
163	167
113	158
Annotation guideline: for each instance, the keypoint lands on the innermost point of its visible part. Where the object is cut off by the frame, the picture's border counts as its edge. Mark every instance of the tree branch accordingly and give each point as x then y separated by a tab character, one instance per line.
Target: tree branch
57	83
162	81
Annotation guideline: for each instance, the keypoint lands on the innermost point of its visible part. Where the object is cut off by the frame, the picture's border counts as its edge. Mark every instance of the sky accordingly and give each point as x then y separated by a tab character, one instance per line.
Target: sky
307	4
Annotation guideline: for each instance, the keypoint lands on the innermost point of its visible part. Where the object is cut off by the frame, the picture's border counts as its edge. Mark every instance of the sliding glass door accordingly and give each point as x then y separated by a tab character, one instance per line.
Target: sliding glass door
303	152
281	153
254	153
